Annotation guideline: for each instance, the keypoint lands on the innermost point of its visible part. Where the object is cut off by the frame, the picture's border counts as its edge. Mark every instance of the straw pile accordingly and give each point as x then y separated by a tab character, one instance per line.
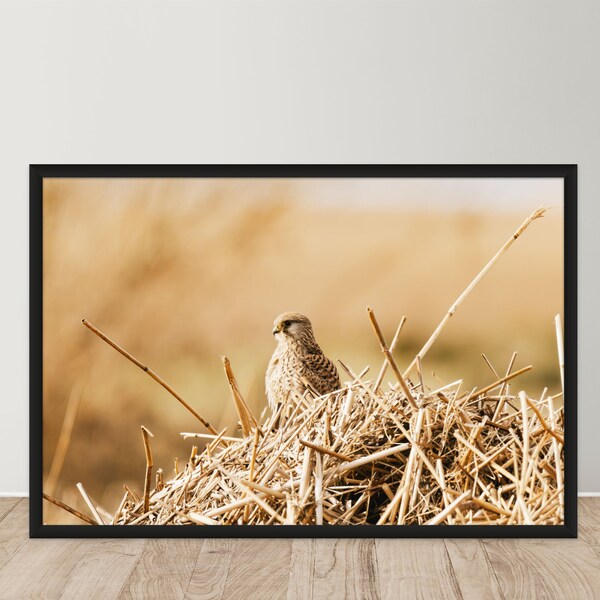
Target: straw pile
369	454
363	455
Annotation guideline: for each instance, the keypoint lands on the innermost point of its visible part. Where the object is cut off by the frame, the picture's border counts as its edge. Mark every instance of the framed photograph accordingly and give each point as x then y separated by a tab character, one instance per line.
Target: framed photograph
303	351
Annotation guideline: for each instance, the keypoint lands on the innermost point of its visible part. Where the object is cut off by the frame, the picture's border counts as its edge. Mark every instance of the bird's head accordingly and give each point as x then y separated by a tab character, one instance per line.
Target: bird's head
292	326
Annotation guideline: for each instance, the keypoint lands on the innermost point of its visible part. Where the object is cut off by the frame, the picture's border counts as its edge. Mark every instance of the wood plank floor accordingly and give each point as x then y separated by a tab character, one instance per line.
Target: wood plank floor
298	569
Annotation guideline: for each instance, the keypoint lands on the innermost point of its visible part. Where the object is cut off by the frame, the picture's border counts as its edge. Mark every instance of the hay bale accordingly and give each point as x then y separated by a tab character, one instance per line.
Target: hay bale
368	456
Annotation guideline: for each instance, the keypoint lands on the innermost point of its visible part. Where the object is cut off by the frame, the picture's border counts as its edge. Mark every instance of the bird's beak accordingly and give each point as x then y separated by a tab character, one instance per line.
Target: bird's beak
276	330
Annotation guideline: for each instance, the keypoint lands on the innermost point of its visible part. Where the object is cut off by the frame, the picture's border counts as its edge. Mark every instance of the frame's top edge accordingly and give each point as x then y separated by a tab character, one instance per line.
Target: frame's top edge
301	170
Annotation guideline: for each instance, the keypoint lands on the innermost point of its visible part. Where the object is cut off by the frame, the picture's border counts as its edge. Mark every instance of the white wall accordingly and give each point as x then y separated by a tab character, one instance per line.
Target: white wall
287	82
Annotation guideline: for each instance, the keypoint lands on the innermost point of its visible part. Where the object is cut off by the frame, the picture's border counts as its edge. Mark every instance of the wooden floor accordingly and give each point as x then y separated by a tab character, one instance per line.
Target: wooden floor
329	569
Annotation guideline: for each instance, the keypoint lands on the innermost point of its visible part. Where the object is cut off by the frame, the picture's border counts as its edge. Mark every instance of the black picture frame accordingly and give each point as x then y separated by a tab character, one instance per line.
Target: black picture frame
568	172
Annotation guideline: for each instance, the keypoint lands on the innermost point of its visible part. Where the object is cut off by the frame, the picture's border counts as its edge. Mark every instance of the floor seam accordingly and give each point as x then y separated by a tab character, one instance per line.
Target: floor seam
491	566
454	576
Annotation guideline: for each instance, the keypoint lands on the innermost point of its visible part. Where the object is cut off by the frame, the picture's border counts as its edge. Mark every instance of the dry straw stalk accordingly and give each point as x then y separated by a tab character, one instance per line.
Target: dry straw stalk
150	372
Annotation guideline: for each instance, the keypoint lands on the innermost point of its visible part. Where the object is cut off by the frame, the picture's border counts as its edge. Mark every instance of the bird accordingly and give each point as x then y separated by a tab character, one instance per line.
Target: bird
297	364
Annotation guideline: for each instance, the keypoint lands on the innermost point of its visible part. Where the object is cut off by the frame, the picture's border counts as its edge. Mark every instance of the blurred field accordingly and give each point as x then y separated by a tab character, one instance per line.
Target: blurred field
180	272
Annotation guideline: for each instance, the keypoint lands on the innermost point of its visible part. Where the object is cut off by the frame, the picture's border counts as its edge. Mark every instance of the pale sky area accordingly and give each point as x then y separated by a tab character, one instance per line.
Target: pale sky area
441	194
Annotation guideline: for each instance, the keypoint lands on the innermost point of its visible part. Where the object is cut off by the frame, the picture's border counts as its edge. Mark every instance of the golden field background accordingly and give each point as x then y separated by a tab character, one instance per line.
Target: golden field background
180	272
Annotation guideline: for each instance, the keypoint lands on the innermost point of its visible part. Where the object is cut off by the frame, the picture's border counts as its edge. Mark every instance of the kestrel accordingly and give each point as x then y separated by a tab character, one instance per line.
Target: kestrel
297	361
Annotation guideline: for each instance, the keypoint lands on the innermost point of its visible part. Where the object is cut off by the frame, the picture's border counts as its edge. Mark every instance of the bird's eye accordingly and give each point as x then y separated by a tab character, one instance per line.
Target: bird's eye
287	323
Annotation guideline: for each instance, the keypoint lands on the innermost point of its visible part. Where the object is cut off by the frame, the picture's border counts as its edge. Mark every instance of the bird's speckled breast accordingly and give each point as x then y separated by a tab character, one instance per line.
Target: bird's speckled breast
284	375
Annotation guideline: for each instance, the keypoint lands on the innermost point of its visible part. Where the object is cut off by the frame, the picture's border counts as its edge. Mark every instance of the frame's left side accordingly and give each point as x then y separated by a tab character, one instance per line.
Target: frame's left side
35	349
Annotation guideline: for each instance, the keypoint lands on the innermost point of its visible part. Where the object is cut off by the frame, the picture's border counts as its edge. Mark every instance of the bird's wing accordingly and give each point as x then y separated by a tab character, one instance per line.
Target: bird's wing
320	372
272	381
